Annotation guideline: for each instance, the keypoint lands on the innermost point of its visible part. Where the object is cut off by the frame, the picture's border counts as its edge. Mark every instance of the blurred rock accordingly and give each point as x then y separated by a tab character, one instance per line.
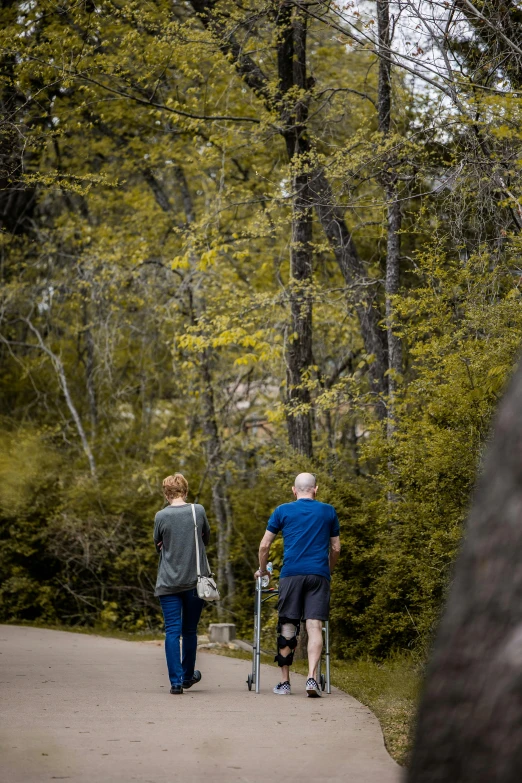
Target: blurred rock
222	633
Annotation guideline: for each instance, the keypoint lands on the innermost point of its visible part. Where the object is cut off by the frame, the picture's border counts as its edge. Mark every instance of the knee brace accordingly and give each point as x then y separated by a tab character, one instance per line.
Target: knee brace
287	633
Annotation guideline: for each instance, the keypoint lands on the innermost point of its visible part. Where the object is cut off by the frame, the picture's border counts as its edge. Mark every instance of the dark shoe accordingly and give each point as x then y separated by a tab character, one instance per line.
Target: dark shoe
176	689
196	677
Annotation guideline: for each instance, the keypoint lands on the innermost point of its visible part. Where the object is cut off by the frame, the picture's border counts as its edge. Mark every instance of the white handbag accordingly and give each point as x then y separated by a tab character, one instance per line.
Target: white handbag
206	587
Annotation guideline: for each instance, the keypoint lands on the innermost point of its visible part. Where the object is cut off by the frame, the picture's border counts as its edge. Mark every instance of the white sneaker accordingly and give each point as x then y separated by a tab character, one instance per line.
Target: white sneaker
313	689
283	689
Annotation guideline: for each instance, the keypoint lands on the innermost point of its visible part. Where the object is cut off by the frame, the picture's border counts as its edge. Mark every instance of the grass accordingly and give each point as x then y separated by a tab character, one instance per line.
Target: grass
389	689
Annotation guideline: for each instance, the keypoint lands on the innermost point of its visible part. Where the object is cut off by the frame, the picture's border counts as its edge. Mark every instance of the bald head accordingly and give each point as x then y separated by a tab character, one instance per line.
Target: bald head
304	485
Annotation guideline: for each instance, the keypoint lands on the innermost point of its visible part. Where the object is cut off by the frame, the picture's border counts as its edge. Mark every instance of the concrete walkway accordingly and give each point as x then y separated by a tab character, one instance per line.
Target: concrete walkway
86	708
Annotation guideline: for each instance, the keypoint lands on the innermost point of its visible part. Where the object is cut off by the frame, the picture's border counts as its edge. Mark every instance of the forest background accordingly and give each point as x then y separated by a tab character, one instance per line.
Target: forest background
240	240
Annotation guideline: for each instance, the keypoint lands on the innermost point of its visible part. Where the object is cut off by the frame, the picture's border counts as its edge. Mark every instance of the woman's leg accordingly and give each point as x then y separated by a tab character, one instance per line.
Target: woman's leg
171	606
192	606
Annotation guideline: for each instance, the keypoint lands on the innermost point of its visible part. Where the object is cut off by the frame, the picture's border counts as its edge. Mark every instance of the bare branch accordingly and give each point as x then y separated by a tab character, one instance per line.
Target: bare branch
60	371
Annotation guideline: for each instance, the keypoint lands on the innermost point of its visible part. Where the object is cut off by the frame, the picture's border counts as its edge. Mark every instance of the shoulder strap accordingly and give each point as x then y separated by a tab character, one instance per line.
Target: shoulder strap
196	537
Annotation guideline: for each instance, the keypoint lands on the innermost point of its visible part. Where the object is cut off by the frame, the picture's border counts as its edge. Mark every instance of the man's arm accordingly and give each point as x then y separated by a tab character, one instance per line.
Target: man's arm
264	551
335	551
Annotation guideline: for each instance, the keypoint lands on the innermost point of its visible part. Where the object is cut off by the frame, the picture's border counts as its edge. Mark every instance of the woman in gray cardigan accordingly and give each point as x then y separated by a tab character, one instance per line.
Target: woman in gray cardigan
177	579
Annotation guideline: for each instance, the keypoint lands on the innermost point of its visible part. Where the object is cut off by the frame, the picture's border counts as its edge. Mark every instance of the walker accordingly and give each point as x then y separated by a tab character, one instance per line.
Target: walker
262	595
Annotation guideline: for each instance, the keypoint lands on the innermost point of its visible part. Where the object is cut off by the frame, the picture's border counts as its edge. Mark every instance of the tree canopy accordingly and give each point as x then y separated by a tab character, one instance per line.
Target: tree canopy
241	240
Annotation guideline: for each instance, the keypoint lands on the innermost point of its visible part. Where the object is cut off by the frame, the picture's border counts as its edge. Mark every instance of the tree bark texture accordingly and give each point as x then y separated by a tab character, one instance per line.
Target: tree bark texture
393	252
299	356
469	727
90	377
393	212
330	214
384	97
220	504
88	354
291	63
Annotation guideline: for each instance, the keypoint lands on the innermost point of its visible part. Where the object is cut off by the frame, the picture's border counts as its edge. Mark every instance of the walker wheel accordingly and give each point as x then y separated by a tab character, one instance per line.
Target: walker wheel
249	682
323	682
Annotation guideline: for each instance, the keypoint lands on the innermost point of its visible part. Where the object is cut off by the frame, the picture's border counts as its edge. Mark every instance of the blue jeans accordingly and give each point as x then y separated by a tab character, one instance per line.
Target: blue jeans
181	612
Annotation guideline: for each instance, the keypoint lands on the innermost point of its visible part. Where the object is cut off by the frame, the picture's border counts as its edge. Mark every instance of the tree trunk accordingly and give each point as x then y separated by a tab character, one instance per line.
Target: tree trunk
229	571
88	357
64	385
330	214
392	288
331	217
393	211
384	97
220	503
291	61
18	200
299	344
470	717
89	377
213	446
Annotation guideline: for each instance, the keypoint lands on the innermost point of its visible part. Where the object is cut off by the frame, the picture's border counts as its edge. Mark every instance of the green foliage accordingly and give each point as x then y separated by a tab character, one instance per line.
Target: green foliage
145	312
463	326
29	483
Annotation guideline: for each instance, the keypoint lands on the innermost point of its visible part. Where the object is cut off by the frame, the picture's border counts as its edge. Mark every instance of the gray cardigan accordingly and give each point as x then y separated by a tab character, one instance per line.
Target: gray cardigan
174	528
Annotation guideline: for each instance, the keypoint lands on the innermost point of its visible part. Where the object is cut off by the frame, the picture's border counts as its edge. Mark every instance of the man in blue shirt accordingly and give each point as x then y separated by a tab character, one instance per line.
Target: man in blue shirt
311	549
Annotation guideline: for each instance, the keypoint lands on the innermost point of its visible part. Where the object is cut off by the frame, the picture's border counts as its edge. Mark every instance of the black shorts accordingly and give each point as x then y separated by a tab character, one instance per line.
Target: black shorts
304	597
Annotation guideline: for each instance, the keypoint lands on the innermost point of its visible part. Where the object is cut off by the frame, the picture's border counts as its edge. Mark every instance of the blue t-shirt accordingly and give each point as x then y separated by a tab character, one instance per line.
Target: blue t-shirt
307	526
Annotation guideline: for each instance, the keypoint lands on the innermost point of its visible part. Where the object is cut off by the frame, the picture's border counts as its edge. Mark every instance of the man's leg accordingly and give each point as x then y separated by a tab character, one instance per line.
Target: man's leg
171	606
192	606
314	629
316	609
288	630
289	608
285	670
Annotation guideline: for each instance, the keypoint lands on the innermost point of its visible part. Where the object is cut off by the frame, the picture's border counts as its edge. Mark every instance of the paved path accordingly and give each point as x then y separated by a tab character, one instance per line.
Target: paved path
90	709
